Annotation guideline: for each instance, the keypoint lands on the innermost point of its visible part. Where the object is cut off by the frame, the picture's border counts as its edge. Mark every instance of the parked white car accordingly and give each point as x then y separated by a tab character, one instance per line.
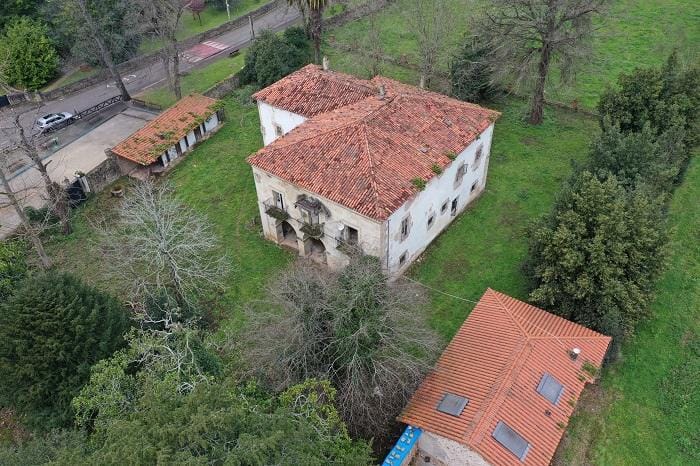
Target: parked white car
52	119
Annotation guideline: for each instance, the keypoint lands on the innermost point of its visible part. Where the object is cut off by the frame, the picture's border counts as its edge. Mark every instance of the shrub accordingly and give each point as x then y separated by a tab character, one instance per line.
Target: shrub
30	56
52	329
272	57
595	258
470	73
13	266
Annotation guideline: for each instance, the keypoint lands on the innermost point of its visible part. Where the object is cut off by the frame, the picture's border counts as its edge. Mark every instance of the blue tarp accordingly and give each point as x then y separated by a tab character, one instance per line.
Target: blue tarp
403	447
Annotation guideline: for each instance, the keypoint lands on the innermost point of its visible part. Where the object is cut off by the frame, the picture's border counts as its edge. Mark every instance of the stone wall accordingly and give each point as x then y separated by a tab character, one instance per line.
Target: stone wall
104	174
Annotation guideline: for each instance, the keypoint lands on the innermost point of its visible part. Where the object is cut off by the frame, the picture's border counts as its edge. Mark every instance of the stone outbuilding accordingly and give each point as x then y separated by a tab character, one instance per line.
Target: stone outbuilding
502	392
161	142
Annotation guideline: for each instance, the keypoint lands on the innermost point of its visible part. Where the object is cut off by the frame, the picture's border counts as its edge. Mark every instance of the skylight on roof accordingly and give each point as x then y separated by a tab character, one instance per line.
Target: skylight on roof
511	440
452	404
550	388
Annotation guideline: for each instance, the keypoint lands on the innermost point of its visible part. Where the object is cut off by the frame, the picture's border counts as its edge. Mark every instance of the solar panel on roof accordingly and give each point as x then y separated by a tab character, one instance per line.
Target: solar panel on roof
452	404
512	440
550	388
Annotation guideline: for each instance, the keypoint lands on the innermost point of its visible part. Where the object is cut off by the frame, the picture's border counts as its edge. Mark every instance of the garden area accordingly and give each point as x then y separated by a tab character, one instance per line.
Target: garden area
645	408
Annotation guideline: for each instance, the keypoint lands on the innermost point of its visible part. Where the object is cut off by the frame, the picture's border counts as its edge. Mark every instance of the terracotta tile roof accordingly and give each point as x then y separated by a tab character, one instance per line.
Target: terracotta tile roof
313	90
364	155
144	146
496	360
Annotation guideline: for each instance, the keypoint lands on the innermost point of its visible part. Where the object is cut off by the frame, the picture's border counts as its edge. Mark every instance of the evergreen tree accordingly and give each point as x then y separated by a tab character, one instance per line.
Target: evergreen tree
471	74
31	59
52	329
272	57
13	266
594	260
640	157
661	97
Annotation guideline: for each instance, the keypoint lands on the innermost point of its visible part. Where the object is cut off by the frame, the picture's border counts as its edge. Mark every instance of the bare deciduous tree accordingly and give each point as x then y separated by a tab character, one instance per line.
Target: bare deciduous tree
15	202
105	53
159	244
163	17
431	22
526	37
368	337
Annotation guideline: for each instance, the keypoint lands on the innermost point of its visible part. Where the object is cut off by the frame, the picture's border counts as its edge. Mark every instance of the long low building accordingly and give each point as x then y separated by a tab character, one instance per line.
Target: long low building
161	142
502	392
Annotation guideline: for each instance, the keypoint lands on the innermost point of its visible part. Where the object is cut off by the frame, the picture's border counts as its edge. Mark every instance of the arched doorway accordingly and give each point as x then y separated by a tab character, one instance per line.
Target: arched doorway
287	235
317	250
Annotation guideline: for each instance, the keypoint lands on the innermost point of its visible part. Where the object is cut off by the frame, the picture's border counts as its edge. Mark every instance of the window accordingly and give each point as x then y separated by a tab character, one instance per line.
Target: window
262	130
431	220
278	130
473	188
511	440
279	200
452	404
405	228
479	151
460	174
550	388
453	208
402	259
443	208
310	217
350	235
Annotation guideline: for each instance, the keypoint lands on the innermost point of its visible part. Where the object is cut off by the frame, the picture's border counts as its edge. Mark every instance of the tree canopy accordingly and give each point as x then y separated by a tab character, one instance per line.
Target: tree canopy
368	337
52	329
272	57
31	59
595	258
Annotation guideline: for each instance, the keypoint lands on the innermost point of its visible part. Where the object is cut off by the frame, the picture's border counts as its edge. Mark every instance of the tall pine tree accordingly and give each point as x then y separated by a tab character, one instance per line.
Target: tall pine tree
52	329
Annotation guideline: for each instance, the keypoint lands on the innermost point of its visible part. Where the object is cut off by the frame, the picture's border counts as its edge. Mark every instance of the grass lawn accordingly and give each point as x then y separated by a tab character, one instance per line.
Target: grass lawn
70	78
643	423
215	180
633	33
197	80
211	18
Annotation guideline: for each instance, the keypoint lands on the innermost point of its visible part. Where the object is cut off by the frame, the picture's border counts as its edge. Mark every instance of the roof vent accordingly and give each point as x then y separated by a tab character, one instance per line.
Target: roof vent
574	353
382	91
325	63
452	404
424	148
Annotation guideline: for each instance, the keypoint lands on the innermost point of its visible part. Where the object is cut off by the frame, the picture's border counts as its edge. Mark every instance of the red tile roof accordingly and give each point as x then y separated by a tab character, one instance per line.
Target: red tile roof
364	155
496	360
313	90
146	145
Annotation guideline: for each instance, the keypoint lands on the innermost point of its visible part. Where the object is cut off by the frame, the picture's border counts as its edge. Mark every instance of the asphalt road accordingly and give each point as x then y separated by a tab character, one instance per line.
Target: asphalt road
154	75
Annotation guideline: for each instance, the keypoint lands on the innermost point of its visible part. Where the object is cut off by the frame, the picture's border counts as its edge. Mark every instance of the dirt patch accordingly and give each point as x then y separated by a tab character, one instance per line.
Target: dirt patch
11	429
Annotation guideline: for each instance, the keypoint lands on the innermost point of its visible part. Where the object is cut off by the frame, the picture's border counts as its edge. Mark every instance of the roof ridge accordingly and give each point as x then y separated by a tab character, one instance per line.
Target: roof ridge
373	175
510	314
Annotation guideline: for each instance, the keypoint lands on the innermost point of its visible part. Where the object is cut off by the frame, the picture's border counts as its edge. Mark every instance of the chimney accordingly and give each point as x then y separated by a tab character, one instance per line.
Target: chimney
574	353
382	91
325	63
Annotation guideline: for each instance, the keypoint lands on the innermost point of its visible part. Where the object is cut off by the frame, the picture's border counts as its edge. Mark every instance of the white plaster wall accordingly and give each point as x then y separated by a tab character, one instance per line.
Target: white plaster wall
271	116
183	145
191	138
369	231
444	452
439	189
211	123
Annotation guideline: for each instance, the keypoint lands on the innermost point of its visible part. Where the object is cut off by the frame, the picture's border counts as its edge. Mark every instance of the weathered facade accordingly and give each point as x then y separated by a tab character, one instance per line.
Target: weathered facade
162	141
375	165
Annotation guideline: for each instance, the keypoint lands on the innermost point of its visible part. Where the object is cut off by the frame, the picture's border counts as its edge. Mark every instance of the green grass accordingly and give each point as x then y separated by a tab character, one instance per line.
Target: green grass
215	180
70	78
211	18
633	33
486	246
197	80
636	427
